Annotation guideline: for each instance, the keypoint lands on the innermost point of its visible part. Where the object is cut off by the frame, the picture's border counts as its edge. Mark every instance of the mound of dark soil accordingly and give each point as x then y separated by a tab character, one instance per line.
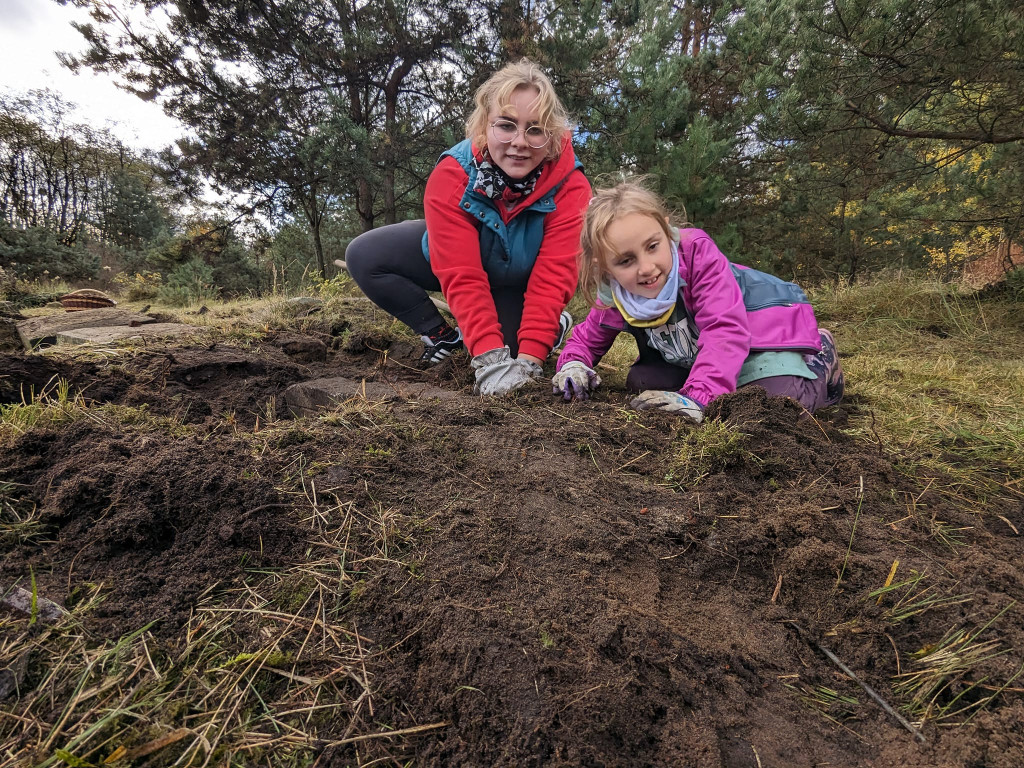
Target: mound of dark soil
572	608
193	385
562	585
155	521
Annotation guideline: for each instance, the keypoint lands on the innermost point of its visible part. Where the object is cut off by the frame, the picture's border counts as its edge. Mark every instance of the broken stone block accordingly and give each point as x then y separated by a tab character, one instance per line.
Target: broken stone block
42	331
308	398
114	333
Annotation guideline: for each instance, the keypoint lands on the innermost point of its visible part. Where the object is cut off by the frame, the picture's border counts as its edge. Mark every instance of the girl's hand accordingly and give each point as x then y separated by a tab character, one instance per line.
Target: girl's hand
530	359
575	381
673	402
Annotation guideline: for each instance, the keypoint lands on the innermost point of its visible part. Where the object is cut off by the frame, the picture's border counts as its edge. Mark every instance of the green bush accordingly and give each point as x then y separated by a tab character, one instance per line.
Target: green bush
189	283
7	282
340	285
139	285
1015	284
36	253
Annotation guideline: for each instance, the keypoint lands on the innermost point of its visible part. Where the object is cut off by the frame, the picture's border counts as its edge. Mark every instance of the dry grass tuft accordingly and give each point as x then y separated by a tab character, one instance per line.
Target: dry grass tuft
946	682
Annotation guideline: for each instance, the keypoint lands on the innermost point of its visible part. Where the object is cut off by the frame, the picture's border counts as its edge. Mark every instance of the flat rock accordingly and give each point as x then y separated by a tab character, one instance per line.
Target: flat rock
39	331
115	333
310	397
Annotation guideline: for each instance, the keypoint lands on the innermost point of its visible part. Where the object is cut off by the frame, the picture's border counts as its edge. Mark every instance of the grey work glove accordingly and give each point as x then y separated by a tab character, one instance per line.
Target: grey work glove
672	402
498	373
575	381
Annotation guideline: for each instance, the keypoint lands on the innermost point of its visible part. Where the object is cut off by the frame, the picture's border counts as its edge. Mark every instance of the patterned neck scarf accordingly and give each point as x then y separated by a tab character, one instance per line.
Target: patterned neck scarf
494	183
643	312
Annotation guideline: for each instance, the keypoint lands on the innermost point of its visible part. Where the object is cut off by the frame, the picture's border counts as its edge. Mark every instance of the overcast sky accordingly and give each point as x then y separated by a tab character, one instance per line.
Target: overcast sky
30	33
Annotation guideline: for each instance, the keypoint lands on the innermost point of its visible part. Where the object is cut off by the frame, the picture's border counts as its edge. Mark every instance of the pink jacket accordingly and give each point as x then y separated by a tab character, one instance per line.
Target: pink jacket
773	318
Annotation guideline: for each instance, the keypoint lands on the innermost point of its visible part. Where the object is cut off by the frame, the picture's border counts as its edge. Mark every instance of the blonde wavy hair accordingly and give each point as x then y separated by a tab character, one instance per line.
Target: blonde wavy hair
497	92
607	205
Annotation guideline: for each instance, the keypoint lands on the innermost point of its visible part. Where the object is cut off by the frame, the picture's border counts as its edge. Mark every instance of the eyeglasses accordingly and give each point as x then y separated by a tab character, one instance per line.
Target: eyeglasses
505	131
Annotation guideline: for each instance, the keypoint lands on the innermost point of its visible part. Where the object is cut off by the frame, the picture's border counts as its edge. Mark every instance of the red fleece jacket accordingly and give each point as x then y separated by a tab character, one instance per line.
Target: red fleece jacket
455	255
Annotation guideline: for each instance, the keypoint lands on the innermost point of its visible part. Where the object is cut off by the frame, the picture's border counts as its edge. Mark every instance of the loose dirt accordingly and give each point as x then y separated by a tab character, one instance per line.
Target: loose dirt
560	586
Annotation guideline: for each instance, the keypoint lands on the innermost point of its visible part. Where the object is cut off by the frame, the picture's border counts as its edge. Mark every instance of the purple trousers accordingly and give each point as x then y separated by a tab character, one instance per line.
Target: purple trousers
657	374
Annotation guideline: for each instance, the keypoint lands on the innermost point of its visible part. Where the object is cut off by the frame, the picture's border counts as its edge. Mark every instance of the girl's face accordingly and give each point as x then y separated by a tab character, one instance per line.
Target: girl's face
641	257
516	158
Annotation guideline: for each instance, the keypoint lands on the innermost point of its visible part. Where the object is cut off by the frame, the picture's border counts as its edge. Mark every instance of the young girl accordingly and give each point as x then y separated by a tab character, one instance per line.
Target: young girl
703	325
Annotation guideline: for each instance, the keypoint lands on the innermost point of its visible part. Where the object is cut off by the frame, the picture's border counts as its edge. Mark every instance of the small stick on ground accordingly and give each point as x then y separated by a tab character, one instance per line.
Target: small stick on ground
386	734
1012	526
867	688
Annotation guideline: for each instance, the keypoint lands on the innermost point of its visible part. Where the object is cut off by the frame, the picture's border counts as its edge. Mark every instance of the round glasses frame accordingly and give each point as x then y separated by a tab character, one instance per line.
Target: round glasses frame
505	131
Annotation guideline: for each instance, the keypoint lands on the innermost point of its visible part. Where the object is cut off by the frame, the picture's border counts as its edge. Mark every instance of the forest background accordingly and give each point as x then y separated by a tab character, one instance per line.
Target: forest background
819	139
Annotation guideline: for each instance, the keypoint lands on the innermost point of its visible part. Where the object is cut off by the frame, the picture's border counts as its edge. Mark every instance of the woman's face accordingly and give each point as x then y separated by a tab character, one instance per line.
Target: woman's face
516	158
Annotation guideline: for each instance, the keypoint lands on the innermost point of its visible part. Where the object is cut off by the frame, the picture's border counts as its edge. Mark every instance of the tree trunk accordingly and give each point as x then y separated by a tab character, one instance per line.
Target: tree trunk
364	205
319	246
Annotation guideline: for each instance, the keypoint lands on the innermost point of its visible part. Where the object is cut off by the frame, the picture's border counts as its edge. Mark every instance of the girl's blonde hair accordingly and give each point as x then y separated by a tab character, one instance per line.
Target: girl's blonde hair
606	206
497	92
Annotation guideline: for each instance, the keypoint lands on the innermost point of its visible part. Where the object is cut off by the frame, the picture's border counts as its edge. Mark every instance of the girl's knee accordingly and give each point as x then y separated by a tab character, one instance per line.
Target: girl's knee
663	376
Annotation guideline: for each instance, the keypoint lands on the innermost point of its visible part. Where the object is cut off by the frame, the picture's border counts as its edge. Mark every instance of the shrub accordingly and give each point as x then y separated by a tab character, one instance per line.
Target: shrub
1015	284
140	285
37	253
7	281
341	284
189	283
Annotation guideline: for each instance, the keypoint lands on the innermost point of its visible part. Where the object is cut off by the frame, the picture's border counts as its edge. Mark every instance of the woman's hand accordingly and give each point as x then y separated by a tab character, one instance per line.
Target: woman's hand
531	359
575	381
498	373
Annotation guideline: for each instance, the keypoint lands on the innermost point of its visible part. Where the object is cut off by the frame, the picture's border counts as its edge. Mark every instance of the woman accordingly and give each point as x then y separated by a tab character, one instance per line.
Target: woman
503	215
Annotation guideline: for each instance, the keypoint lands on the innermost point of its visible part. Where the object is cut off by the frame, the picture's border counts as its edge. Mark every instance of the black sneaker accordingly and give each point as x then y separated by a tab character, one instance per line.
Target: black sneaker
438	348
564	326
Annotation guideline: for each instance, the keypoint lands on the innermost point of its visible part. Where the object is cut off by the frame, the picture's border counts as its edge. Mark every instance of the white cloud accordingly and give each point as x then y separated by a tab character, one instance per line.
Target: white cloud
31	31
17	14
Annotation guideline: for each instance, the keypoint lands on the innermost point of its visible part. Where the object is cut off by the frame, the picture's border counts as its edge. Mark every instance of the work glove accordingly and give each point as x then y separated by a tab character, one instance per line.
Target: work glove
575	381
498	373
672	402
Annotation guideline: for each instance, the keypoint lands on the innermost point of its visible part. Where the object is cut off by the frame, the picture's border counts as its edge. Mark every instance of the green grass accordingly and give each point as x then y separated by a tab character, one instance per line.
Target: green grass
698	453
912	597
937	377
57	404
829	703
19	521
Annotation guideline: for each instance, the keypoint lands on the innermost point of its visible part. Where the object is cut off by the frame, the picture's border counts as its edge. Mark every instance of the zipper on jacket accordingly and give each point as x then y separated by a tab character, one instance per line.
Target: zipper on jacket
769	304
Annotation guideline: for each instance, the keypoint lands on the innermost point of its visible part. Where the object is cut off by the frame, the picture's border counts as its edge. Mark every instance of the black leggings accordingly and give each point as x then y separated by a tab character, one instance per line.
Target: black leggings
387	263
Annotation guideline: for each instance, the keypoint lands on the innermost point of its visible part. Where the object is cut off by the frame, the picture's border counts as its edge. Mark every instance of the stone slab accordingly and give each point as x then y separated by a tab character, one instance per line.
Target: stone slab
115	333
308	398
43	330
